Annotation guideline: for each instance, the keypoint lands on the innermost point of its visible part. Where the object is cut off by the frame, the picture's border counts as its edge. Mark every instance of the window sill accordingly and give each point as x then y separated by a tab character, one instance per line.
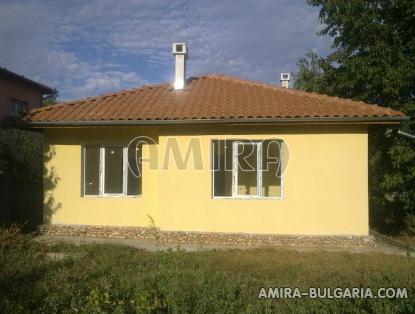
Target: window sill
246	198
112	196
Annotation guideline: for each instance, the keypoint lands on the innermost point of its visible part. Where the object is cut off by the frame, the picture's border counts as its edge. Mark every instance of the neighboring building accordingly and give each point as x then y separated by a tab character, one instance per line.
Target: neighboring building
19	94
21	199
318	184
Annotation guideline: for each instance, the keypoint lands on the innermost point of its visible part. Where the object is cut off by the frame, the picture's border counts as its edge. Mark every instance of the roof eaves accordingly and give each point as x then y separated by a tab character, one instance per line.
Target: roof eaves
44	88
378	120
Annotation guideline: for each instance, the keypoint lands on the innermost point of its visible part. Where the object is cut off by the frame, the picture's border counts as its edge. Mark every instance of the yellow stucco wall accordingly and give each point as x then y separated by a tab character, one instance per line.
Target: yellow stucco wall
325	185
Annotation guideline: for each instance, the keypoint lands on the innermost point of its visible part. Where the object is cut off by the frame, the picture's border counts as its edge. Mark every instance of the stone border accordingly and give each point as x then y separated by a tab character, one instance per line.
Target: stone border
239	239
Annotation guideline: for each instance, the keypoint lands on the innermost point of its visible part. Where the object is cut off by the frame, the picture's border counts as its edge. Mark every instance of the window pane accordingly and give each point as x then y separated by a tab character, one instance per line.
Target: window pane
247	169
91	171
17	108
271	169
113	170
222	168
134	182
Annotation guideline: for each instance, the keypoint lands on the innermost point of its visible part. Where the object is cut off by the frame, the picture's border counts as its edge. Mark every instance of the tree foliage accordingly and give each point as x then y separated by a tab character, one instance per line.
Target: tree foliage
373	60
21	154
51	99
21	151
310	75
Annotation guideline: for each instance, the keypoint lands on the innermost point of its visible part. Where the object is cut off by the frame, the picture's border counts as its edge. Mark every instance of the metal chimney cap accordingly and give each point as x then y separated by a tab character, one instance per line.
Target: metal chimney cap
179	49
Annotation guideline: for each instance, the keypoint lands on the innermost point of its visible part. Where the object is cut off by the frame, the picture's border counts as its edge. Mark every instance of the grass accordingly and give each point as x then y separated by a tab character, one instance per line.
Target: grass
406	239
119	279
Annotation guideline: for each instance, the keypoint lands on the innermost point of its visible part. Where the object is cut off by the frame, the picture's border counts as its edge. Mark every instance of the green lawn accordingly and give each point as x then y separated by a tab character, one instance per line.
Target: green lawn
406	240
114	278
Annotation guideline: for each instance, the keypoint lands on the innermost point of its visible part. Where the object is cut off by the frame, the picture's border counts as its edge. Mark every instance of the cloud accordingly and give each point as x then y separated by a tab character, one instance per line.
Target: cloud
34	36
253	39
88	47
100	82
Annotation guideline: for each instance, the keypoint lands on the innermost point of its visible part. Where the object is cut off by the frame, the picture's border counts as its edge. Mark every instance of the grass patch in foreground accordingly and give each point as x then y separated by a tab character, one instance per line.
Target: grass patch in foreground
118	279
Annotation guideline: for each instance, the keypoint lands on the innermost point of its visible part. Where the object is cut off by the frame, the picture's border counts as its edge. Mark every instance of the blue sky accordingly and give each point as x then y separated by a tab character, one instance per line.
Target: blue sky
87	48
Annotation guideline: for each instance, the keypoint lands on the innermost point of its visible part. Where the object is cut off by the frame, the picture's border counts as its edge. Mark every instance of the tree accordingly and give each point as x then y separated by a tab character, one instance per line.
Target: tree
21	154
373	60
310	73
21	150
51	99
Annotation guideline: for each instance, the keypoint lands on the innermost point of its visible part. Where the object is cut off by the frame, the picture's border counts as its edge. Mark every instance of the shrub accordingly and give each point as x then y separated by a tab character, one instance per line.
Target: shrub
10	237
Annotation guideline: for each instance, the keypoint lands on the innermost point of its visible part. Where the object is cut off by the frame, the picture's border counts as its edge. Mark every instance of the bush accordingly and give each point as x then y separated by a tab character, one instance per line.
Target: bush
10	237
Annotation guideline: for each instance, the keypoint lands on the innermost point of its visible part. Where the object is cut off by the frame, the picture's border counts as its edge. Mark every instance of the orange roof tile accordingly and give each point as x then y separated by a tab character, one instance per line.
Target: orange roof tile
210	98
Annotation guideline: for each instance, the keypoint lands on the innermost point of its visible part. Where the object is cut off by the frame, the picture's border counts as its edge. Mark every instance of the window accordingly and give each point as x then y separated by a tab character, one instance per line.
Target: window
111	171
247	169
17	108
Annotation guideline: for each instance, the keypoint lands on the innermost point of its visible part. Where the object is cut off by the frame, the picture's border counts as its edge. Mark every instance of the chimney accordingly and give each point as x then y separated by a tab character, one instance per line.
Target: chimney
285	79
180	55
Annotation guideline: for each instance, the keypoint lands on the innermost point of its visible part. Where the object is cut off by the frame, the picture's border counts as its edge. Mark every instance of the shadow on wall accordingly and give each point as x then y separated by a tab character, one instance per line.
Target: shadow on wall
50	181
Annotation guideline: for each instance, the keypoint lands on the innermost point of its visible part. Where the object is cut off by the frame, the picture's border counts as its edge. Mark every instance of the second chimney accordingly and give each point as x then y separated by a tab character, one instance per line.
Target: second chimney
180	54
285	79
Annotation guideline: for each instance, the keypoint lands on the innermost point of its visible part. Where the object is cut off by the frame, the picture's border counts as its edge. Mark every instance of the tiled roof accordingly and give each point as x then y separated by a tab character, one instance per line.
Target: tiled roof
210	97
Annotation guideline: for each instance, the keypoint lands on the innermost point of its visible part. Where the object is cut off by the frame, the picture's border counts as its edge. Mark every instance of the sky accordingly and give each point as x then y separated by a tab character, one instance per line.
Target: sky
88	48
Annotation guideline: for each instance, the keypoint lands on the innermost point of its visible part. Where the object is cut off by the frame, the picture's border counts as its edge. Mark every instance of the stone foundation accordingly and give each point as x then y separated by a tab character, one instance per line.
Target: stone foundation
232	239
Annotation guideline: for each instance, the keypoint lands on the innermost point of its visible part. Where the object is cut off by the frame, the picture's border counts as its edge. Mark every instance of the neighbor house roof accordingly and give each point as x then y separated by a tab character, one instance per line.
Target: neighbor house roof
14	76
210	98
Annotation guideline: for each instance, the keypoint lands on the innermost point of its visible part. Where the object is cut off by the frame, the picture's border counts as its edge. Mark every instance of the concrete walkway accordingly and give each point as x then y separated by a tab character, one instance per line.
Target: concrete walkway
149	245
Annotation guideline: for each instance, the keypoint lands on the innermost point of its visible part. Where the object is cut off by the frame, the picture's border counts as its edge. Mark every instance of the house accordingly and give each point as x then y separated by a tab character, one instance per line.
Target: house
222	160
19	94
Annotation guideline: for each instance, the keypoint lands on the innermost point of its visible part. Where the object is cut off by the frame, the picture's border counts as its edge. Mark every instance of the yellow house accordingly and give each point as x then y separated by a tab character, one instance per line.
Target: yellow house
209	157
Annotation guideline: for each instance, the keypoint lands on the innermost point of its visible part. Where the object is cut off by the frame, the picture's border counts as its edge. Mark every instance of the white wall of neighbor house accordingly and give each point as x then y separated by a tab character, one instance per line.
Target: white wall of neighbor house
324	190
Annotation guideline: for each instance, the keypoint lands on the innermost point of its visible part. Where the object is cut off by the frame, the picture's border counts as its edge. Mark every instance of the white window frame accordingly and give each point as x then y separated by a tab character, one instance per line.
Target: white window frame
235	166
101	189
